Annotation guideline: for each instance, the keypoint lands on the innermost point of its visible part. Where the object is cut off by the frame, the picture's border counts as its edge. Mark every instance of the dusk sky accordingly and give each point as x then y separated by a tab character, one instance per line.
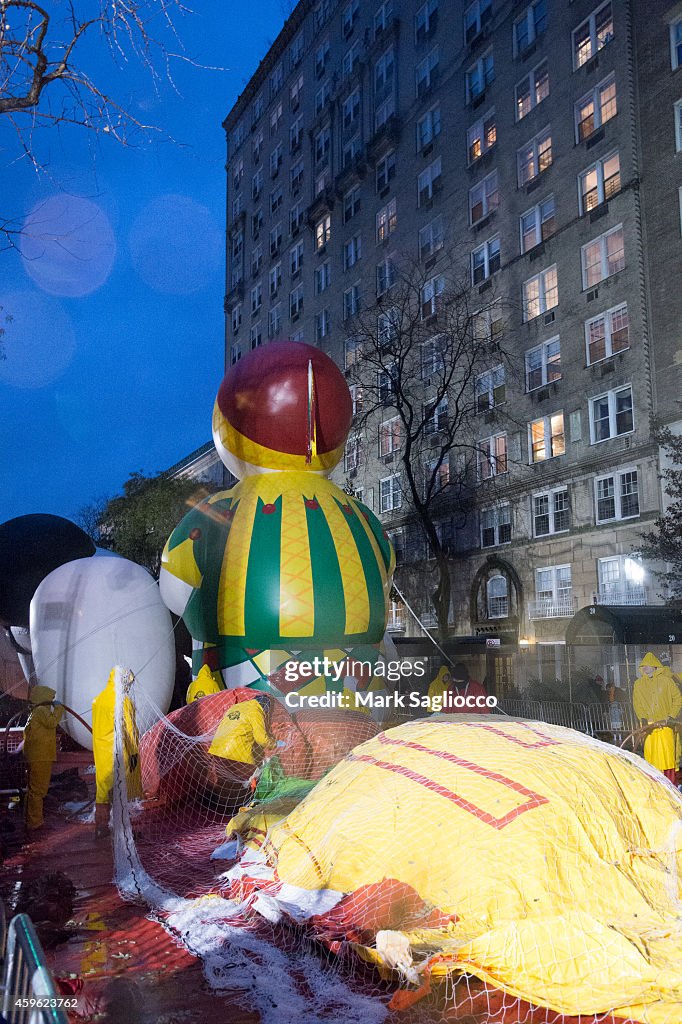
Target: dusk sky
115	352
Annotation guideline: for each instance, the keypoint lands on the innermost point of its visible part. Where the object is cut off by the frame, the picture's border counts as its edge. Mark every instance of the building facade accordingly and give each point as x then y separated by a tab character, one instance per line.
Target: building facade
543	142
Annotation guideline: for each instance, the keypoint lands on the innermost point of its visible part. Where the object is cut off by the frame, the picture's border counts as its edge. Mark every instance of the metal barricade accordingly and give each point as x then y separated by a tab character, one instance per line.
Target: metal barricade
29	995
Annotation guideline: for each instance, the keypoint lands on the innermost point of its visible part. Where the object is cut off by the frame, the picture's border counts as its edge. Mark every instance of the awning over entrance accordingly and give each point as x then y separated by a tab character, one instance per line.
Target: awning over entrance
624	624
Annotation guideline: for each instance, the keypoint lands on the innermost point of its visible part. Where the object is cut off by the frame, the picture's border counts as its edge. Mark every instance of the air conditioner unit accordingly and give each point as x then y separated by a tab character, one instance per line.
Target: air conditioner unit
387	459
549	318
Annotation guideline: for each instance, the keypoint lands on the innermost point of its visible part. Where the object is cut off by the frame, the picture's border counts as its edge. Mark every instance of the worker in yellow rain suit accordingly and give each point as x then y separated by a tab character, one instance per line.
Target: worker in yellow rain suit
103	714
657	699
441	683
39	747
204	684
242	728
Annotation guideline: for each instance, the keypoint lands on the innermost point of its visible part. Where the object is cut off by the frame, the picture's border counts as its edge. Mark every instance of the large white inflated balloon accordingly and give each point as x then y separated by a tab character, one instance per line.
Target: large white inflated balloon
91	614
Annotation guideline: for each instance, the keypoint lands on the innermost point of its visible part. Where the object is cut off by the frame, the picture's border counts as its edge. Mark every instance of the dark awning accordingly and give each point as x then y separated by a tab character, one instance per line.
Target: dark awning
625	624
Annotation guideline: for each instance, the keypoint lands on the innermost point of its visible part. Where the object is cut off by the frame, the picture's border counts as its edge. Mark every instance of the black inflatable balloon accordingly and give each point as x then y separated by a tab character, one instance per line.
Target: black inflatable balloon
30	548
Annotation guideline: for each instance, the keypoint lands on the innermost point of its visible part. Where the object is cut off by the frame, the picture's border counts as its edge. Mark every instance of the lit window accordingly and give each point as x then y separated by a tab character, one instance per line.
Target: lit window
538	224
497	595
390	494
592	35
607	334
492	456
390	436
386	221
599	182
534	158
323	231
531	25
603	257
595	109
484	198
496	526
621	581
479	76
531	90
540	293
551	512
546	436
476	17
485	260
612	414
481	136
543	364
617	496
491	389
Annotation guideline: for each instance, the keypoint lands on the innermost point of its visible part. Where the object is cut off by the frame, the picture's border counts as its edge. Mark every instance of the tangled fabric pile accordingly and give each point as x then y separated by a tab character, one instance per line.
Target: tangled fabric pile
447	861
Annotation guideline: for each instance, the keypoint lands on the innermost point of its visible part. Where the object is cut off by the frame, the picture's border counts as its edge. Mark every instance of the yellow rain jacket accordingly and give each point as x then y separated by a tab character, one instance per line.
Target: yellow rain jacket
439	684
103	711
241	728
40	751
204	684
656	699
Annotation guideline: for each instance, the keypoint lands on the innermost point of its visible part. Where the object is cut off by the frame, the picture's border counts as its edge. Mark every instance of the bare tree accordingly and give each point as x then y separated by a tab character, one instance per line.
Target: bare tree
420	361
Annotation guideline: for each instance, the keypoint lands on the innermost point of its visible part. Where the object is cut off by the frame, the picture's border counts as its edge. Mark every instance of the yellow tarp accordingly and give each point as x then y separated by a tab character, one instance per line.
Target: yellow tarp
556	856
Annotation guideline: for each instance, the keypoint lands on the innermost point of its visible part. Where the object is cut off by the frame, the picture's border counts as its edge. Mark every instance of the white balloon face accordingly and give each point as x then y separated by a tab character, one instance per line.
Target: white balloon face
90	615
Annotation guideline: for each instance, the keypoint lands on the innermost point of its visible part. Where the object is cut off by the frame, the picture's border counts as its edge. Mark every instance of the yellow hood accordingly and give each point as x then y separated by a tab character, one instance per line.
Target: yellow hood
41	695
651	660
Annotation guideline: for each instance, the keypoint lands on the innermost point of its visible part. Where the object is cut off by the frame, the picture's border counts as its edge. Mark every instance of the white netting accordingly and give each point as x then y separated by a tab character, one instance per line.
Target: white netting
450	869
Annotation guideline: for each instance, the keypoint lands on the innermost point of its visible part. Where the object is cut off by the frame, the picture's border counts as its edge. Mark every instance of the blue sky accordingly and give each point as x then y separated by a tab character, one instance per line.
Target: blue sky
115	352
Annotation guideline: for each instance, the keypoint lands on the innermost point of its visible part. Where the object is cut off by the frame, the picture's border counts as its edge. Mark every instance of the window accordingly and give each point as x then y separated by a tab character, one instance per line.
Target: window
350	60
485	260
352	454
295	93
676	43
256	297
540	293
321	324
491	389
351	301
595	108
425	20
296	302
386	383
479	76
295	218
237	206
352	250
496	526
611	414
275	320
350	111
603	257
538	224
276	79
617	496
551	512
385	171
497	597
258	107
321	57
238	173
390	494
276	199
543	364
428	128
487	324
256	259
484	198
256	223
349	16
351	203
275	117
553	591
275	278
432	356
322	145
546	436
476	16
531	25
385	276
322	96
256	335
235	353
275	239
357	398
297	50
388	328
534	158
236	318
621	580
276	160
386	221
257	184
323	232
296	176
426	73
531	90
429	182
352	352
296	135
323	277
384	71
599	182
435	417
431	297
296	259
258	141
481	136
383	113
678	125
607	334
390	436
431	238
383	17
437	478
592	35
492	456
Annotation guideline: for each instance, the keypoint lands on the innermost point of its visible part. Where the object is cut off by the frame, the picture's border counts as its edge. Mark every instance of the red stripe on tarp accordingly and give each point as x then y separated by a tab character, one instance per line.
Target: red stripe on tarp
547	741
